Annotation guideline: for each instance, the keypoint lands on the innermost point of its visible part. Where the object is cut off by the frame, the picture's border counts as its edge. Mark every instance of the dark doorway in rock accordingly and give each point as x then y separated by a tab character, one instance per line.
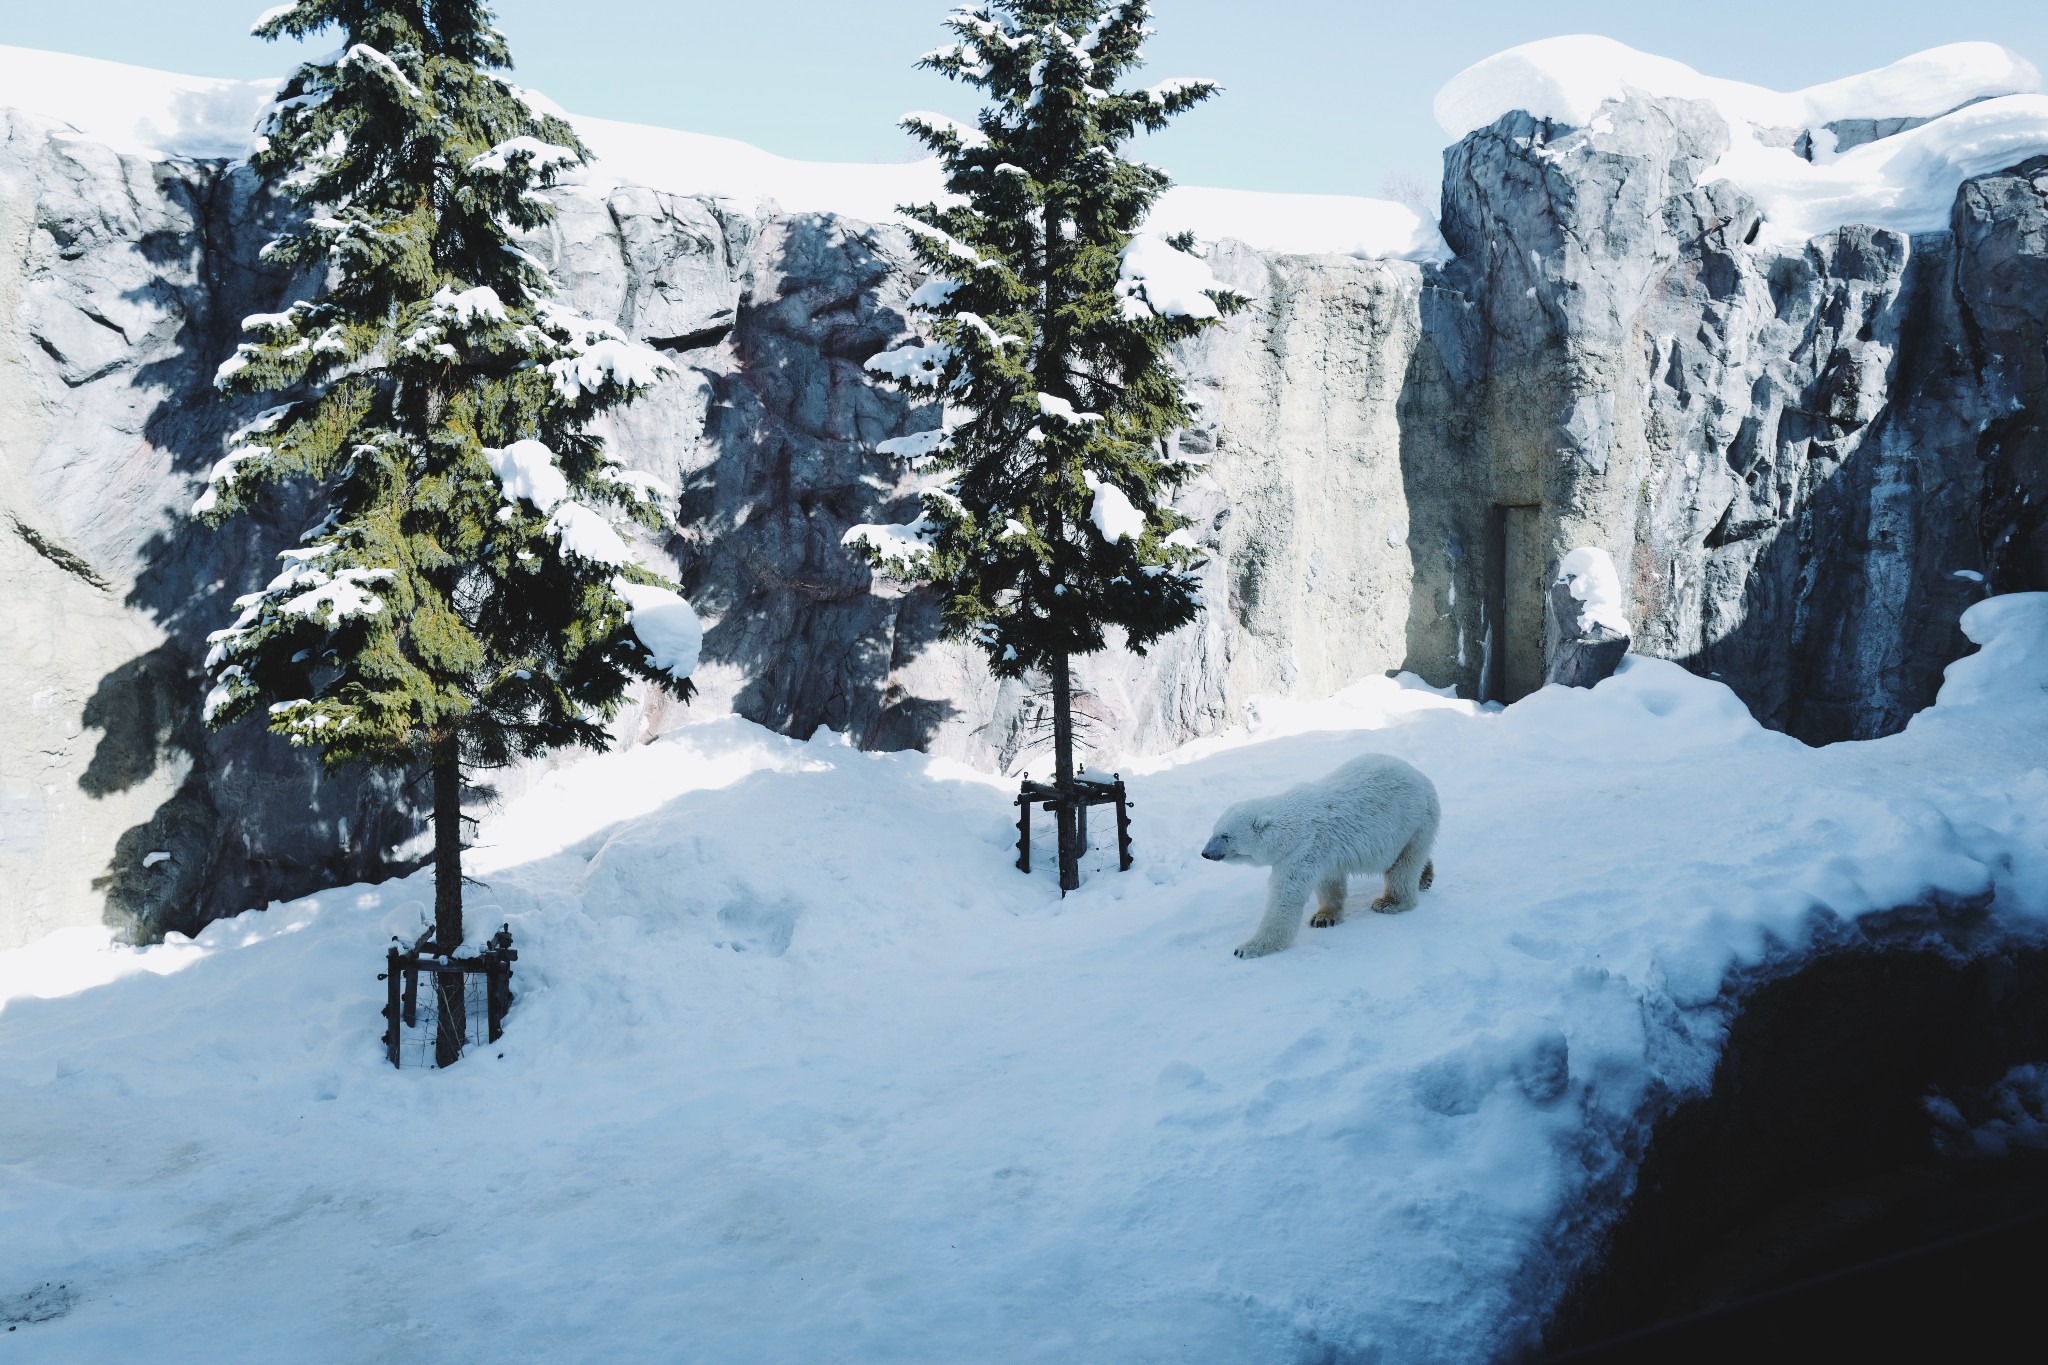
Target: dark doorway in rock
1514	608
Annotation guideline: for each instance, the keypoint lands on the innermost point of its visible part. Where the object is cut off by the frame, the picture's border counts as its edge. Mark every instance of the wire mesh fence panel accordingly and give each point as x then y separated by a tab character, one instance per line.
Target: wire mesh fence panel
438	1007
417	1044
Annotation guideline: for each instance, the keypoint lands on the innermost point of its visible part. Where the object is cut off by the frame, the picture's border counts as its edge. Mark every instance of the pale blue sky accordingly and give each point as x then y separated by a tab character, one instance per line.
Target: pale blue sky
1322	96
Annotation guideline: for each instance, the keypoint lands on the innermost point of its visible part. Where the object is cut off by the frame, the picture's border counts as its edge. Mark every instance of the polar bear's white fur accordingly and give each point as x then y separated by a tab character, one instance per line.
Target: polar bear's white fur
1374	814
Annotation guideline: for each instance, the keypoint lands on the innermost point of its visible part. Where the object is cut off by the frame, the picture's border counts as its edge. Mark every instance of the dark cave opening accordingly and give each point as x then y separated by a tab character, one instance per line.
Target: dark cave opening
1812	1201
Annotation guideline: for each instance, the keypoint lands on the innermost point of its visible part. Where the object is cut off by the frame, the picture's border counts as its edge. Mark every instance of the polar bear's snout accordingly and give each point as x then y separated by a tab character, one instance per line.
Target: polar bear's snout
1213	850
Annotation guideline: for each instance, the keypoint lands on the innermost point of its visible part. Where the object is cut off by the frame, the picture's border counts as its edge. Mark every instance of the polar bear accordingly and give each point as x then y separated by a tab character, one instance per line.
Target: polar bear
1374	814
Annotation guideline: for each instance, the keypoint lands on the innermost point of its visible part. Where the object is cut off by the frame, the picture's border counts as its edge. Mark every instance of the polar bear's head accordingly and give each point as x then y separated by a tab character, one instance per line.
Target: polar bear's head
1240	835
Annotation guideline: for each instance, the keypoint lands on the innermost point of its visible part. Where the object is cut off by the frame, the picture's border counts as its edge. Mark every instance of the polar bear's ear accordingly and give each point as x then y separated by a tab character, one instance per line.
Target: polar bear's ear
1261	823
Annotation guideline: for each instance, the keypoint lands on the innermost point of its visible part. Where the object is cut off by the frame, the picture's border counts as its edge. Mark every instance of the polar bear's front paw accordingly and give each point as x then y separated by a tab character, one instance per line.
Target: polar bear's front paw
1326	919
1257	947
1387	905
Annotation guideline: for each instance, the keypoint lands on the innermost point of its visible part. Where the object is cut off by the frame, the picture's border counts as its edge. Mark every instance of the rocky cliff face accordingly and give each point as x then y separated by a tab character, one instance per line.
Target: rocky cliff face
1806	463
1790	456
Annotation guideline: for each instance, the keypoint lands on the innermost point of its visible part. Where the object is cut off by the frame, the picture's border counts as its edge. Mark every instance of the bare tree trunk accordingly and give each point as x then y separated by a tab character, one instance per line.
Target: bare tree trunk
450	1023
1063	773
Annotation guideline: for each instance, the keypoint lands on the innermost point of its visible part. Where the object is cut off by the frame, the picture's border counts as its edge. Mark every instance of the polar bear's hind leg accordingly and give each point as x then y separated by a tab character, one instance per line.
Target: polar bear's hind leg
1329	904
1412	871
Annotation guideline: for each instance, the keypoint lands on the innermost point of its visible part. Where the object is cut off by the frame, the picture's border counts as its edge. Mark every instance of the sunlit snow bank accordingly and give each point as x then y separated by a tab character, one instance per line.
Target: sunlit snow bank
1906	181
801	1069
157	113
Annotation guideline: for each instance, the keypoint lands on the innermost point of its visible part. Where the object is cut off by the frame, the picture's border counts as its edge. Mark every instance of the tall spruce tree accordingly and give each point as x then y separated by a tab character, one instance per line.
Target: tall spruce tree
464	598
1049	331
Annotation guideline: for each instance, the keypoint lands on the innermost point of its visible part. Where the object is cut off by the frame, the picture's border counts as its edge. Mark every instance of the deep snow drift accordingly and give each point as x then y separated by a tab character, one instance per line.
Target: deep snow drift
801	1069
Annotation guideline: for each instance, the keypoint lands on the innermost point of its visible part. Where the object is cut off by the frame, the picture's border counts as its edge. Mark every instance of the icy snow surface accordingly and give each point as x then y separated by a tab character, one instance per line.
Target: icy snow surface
157	113
1906	182
801	1069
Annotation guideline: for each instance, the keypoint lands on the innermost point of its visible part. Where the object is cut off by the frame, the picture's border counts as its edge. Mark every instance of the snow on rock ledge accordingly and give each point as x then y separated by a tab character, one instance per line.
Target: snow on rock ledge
160	114
1566	80
1906	181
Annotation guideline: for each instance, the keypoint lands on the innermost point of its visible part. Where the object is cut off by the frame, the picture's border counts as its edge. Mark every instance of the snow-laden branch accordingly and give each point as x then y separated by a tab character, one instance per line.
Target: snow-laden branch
919	366
1112	511
540	156
666	625
1159	278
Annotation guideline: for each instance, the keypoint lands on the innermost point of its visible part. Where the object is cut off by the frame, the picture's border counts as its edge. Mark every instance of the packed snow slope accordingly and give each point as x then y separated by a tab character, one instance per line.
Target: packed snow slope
801	1069
161	114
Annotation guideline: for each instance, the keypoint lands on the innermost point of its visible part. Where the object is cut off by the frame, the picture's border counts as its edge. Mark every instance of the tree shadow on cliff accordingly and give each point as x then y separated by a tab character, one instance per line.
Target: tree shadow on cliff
1448	500
793	424
250	819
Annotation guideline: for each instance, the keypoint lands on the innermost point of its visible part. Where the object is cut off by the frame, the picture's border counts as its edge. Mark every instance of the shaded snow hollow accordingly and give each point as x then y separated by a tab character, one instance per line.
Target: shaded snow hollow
802	1069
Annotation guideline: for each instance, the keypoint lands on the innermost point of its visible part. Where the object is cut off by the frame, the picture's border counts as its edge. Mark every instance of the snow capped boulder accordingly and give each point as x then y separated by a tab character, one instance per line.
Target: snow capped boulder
1585	631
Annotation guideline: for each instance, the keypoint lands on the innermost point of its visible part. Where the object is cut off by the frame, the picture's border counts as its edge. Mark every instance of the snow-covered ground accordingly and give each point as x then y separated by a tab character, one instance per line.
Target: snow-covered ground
159	114
801	1069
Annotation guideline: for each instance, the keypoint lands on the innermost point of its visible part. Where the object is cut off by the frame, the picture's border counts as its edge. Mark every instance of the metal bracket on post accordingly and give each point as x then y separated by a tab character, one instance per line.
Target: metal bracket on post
1023	833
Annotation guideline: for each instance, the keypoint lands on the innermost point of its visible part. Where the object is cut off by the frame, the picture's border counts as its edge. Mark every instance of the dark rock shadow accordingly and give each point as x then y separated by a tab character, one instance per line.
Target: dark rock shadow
1850	606
252	819
793	423
1447	491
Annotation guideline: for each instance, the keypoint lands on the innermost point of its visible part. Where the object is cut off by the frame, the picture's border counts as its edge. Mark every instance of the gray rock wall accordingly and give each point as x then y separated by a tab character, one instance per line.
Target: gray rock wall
1797	458
1788	455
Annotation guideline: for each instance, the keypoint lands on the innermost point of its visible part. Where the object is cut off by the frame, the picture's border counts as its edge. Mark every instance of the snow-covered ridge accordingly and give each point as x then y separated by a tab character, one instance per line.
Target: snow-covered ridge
160	114
1567	80
1906	181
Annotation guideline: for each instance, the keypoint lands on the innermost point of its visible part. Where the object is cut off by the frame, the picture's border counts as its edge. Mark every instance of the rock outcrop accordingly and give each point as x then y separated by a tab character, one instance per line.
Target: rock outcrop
1798	461
1807	464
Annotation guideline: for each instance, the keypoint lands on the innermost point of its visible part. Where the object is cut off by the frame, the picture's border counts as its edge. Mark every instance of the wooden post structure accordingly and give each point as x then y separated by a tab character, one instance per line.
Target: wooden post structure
402	968
1065	812
448	1001
392	1004
1069	803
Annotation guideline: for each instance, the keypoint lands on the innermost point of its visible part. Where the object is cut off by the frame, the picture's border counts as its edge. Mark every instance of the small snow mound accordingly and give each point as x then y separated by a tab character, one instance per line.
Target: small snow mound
527	469
2012	661
900	547
587	535
1594	582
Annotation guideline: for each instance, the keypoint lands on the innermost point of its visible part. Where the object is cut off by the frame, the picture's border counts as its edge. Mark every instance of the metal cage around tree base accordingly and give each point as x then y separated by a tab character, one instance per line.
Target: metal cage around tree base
1077	798
464	1005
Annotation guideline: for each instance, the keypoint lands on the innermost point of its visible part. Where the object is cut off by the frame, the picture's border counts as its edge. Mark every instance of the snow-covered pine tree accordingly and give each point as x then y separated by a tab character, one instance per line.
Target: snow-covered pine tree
464	598
1049	328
